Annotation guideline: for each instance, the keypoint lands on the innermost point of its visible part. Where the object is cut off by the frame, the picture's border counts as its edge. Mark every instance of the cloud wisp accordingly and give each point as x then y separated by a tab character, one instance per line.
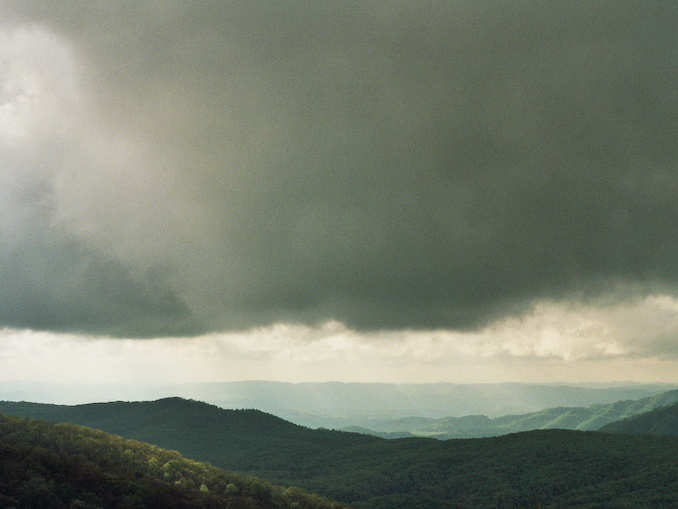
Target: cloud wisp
181	168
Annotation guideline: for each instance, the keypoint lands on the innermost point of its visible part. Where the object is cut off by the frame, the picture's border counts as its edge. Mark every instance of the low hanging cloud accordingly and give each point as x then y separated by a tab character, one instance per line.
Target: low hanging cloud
176	168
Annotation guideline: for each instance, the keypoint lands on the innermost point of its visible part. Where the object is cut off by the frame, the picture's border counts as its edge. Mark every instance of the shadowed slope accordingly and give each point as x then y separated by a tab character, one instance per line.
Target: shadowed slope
660	421
47	465
550	468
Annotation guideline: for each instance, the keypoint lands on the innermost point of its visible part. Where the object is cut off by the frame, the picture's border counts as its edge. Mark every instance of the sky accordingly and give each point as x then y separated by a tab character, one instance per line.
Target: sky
392	191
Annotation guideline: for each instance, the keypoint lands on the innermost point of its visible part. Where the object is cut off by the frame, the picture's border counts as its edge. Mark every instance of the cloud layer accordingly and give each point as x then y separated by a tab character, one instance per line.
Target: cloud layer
173	168
555	343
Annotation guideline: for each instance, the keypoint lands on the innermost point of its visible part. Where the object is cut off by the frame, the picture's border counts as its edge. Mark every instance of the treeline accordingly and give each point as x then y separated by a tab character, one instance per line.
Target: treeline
52	466
550	468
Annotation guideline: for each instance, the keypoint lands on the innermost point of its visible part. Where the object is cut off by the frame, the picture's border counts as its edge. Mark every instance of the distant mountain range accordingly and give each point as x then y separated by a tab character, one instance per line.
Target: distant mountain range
336	405
547	468
660	421
476	426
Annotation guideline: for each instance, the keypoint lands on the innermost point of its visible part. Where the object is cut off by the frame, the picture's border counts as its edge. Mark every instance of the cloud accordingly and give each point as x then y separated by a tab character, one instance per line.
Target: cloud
179	168
555	343
53	276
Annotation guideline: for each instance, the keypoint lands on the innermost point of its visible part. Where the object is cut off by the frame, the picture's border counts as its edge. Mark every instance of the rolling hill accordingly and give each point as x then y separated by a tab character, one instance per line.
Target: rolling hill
477	426
549	468
660	421
245	438
52	466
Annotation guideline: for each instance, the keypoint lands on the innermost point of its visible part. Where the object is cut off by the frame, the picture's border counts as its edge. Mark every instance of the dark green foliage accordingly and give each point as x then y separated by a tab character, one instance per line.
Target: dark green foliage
45	465
549	468
248	438
660	421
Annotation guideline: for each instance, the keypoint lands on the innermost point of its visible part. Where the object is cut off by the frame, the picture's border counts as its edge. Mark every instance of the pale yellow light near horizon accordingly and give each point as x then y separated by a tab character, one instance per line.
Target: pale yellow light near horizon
554	343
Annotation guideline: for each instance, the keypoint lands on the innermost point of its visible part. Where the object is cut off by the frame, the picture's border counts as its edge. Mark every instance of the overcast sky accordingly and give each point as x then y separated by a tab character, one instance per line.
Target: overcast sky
309	190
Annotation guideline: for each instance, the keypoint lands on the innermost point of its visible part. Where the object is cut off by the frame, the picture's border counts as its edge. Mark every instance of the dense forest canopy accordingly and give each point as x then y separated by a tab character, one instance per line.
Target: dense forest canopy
549	468
51	466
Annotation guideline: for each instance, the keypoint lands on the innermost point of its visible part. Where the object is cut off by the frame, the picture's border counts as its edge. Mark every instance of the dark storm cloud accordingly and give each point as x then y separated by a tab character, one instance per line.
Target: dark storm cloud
385	164
53	283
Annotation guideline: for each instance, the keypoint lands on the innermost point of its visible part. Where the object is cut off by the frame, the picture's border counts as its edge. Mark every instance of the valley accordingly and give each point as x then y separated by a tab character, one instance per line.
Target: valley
547	468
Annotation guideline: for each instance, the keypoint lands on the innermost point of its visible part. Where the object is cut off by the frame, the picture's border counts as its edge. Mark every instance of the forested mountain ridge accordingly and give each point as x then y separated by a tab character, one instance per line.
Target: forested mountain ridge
51	466
550	468
660	421
197	429
477	426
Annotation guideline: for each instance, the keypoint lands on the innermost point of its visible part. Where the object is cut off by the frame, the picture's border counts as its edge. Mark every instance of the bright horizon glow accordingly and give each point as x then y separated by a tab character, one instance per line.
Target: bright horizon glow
553	344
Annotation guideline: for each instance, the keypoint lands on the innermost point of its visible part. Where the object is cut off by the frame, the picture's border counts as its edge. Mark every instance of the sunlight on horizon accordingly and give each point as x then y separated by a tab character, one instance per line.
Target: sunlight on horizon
553	343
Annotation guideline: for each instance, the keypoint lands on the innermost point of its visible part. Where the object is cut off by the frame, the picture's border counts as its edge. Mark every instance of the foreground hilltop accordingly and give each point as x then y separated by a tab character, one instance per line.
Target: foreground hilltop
47	465
548	468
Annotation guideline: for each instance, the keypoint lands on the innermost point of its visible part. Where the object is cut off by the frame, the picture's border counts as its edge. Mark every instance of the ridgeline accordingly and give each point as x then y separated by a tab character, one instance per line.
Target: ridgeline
548	468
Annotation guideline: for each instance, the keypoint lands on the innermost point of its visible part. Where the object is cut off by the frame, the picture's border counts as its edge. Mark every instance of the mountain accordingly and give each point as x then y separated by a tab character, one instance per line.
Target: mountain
549	468
336	405
53	466
660	421
476	426
246	438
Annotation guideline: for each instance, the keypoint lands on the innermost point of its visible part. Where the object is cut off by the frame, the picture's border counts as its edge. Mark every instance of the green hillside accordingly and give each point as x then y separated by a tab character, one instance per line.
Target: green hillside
45	465
575	418
245	438
660	421
549	468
